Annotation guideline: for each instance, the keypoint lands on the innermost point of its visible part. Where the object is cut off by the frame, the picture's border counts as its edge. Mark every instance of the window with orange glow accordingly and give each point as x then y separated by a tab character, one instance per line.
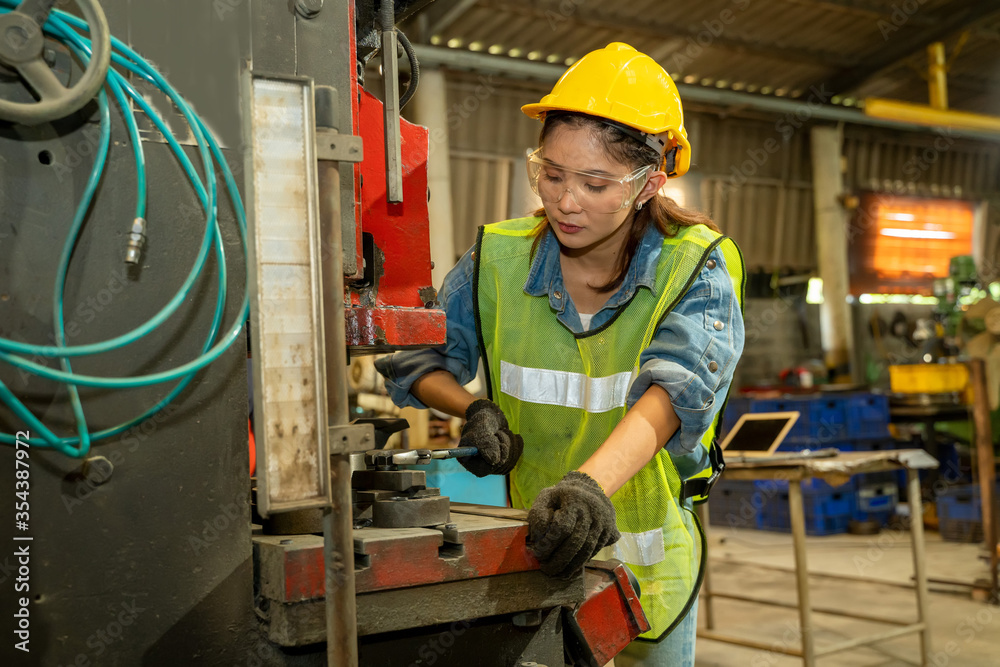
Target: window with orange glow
901	244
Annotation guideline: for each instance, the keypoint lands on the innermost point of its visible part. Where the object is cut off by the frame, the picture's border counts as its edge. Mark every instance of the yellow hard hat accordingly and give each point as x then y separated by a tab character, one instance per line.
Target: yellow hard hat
629	88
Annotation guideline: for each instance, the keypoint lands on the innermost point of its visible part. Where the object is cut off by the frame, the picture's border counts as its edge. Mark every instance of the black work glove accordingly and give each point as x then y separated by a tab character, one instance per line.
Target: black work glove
569	523
486	428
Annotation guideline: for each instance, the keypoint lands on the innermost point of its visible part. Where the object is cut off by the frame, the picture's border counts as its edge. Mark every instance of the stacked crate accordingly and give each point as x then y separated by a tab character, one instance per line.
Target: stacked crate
960	513
848	422
734	503
828	510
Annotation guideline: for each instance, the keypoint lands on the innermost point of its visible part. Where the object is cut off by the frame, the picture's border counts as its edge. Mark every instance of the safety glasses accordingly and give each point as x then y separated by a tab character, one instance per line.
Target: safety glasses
592	191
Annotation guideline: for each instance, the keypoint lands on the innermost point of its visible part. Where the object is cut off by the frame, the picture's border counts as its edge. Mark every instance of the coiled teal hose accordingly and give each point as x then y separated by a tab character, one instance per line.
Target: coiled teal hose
61	26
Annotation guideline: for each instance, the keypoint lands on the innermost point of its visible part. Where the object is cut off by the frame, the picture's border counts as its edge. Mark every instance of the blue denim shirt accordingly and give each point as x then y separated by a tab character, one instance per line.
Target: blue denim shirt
704	331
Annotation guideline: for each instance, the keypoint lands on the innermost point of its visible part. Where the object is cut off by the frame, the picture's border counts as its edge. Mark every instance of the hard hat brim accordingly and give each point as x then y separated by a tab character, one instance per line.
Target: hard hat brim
537	111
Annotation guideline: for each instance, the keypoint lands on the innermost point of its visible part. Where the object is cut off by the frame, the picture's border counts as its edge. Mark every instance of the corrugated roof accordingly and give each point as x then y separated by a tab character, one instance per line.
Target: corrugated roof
778	47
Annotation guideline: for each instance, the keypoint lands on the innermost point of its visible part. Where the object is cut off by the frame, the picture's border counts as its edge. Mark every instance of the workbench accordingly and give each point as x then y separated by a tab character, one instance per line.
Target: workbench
835	470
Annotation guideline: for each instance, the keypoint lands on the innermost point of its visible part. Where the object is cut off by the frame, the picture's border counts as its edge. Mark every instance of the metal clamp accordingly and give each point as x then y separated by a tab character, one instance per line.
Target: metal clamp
332	145
347	438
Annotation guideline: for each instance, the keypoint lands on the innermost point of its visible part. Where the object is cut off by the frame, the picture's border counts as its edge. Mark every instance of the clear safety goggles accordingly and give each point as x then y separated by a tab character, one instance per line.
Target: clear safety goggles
592	191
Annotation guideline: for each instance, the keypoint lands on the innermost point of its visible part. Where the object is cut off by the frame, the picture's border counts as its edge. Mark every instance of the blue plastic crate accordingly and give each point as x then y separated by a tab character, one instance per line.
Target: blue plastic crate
461	486
828	419
821	418
876	498
732	503
875	444
881	445
812	487
960	513
827	511
960	503
867	416
801	427
819	525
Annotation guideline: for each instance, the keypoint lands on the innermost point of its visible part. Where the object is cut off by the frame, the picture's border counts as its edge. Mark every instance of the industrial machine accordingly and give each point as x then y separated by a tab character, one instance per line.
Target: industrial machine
170	172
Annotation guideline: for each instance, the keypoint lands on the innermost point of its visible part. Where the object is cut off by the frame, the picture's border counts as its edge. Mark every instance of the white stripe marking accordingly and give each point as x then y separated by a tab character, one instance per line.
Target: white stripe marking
640	548
570	390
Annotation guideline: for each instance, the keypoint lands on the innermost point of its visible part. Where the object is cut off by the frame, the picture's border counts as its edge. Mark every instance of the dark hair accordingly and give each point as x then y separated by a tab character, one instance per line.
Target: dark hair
660	210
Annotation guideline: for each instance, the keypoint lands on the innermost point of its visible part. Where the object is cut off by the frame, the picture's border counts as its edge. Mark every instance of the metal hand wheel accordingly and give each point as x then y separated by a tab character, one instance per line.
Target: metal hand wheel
21	49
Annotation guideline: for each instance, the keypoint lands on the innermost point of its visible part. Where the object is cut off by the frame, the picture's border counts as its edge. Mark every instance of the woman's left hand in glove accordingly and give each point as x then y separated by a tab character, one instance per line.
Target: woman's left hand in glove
569	523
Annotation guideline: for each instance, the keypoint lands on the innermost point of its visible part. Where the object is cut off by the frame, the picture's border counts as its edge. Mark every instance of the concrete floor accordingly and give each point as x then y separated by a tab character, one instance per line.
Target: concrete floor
868	574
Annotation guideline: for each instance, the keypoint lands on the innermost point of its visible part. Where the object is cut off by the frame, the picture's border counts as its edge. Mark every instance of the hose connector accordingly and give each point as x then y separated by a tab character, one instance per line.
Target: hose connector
136	241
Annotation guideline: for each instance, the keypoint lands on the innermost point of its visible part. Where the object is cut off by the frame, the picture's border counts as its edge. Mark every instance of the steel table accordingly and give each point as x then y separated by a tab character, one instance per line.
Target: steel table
836	470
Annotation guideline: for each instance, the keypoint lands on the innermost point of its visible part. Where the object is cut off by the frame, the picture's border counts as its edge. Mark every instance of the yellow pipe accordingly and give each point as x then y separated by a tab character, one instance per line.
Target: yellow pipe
922	114
937	80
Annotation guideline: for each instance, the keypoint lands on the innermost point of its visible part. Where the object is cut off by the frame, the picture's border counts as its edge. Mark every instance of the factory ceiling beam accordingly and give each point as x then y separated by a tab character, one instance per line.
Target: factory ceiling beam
860	7
441	15
902	43
797	112
553	12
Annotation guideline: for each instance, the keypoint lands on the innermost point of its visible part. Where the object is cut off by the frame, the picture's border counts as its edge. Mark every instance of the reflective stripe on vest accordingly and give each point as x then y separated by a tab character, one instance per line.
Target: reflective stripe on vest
570	390
565	393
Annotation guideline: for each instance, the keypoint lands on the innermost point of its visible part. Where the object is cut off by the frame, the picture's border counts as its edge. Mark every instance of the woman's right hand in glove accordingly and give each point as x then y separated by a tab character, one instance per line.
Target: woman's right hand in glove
486	428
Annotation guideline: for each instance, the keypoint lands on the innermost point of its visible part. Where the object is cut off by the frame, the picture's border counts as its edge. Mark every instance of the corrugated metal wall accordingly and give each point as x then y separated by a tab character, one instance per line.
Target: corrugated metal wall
753	176
488	136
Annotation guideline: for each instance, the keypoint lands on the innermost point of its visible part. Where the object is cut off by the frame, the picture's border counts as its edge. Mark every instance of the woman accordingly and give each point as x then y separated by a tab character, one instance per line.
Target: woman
609	326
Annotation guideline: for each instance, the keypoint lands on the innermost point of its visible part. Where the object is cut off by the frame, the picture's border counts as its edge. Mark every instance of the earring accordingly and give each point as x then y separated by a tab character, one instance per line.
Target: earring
638	205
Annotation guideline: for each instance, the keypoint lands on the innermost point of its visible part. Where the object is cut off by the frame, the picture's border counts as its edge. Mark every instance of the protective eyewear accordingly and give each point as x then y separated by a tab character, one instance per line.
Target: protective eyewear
597	192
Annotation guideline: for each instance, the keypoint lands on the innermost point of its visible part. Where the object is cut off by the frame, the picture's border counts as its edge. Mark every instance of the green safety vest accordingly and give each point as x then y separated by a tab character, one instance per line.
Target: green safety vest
565	393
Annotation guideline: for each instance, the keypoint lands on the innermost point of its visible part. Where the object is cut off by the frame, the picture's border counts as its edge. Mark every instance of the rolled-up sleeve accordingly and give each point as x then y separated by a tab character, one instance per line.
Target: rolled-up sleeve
694	354
460	353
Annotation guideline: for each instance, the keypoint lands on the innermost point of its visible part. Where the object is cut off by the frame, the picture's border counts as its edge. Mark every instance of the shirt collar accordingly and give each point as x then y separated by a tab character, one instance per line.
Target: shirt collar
545	276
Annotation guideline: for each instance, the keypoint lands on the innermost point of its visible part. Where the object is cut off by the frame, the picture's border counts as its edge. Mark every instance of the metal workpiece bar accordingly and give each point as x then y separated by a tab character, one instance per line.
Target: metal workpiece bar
415	456
338	545
774	647
872	639
798	520
919	561
393	138
821	610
